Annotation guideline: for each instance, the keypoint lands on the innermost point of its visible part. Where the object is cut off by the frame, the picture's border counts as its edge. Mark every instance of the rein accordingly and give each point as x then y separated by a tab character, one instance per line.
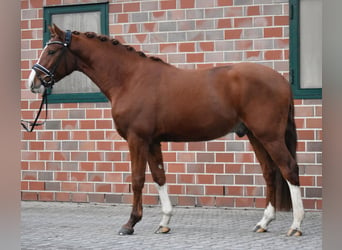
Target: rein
47	81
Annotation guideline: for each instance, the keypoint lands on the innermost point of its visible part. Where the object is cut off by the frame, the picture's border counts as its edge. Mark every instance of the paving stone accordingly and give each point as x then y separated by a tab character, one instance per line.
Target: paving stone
54	225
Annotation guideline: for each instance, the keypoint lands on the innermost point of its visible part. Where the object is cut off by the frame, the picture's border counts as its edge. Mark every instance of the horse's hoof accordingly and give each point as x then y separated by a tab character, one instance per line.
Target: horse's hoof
294	232
162	230
259	229
126	231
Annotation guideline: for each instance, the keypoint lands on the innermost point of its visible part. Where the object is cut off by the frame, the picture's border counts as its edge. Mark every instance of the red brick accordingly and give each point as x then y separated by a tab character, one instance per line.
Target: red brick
47	156
187	4
69	186
224	23
216	146
96	135
150	27
176	189
244	179
186	178
232	34
186	201
79	197
253	10
273	55
87	145
115	8
224	157
45	196
243	22
224	2
244	157
281	20
244	202
78	176
113	156
104	166
214	190
36	185
96	177
204	179
168	4
87	124
63	135
63	197
206	201
260	202
103	188
120	146
215	168
122	18
69	125
121	167
243	44
37	165
121	188
273	32
29	196
313	123
307	180
113	177
53	2
195	189
225	202
254	191
130	7
85	187
61	176
195	57
234	191
150	200
186	47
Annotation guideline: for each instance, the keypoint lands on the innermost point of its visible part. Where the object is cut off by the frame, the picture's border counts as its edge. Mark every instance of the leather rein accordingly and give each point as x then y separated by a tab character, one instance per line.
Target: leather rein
47	81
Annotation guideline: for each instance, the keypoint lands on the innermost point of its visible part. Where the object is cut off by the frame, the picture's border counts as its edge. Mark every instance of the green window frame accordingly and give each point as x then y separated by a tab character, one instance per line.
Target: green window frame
298	91
49	11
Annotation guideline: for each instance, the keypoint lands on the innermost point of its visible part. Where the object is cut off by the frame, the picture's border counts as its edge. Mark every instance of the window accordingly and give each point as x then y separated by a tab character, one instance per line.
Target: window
306	48
76	87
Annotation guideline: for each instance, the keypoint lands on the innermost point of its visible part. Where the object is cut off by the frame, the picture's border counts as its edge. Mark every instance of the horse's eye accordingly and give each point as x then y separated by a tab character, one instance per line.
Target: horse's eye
51	52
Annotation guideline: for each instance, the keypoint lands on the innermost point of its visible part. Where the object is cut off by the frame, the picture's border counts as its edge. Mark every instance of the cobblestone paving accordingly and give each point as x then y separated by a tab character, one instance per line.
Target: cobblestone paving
52	225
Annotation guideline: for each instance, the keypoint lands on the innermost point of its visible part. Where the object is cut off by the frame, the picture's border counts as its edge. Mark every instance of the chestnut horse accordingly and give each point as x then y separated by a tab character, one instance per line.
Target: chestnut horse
153	102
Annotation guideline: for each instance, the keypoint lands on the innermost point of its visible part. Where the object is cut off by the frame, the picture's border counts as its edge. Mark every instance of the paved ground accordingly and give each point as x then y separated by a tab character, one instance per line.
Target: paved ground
52	225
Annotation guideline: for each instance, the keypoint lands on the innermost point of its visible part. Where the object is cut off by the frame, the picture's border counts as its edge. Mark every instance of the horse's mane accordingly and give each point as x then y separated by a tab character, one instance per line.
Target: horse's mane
104	38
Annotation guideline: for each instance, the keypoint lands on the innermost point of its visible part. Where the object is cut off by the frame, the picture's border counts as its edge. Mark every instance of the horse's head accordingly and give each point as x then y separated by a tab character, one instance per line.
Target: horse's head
54	63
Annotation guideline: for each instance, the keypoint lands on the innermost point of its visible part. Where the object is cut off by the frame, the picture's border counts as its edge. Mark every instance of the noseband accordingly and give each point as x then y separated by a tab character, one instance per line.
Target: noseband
49	79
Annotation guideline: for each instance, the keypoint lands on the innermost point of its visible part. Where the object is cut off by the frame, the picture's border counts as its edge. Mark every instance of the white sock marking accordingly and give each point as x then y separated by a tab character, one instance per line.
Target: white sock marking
297	205
269	215
166	205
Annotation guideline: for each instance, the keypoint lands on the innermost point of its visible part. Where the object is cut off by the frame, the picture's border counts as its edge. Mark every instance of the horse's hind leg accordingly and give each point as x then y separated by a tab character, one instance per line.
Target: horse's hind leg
289	170
269	172
155	161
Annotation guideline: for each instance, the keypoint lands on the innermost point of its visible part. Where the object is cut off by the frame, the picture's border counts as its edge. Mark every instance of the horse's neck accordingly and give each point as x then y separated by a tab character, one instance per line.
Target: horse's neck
107	67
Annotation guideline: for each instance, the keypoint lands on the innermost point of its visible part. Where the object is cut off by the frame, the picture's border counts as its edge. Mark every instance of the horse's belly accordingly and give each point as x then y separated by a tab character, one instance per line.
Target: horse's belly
197	130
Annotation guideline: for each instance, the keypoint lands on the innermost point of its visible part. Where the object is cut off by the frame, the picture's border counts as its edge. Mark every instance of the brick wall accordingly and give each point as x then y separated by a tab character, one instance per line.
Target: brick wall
78	156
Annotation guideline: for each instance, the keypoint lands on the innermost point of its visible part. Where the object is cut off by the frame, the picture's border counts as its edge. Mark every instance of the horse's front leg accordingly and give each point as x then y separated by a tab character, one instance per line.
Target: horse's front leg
155	161
138	151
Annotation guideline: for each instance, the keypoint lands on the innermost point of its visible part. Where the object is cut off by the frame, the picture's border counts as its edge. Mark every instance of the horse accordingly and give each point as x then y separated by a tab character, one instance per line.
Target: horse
153	102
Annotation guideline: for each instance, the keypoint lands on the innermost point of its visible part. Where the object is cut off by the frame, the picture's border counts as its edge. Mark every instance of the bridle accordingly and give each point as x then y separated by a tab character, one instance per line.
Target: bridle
47	81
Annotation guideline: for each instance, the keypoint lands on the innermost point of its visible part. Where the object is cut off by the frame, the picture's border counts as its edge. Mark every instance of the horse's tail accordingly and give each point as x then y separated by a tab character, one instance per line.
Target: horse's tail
282	194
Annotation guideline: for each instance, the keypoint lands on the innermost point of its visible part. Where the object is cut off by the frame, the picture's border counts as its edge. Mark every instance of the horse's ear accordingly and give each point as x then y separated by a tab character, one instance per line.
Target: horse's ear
56	31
